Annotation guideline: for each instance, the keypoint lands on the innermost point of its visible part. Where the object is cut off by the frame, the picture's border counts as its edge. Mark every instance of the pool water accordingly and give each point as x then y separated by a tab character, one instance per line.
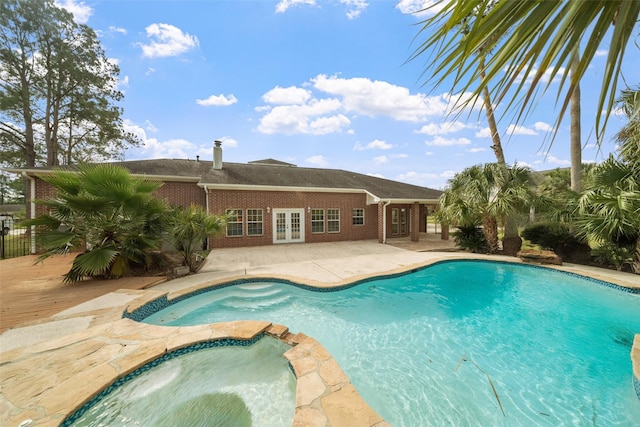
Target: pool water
460	343
223	386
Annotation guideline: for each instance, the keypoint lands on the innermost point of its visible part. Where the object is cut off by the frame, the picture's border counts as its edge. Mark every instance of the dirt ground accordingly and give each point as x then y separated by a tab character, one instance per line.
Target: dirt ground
30	292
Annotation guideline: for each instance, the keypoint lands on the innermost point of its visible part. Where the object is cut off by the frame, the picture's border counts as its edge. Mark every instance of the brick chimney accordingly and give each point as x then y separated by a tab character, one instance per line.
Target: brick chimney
217	155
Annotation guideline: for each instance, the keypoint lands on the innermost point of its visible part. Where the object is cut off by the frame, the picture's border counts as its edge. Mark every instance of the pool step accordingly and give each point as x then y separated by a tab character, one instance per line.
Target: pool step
253	296
244	303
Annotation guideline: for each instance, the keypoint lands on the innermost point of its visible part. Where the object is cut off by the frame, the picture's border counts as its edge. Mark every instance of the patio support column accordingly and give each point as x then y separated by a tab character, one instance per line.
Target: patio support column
381	219
415	222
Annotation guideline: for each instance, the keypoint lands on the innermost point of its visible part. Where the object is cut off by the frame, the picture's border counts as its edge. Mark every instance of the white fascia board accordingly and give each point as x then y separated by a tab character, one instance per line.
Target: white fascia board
412	201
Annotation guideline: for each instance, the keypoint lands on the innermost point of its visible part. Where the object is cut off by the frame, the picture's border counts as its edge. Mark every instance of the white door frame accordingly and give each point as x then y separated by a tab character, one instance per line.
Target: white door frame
289	231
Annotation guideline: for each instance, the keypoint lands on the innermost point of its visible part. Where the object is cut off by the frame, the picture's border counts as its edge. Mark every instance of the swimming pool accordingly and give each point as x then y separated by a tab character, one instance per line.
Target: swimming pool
461	342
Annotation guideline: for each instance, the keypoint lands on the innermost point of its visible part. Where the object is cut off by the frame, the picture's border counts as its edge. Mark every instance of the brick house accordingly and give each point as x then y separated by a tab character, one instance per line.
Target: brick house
271	202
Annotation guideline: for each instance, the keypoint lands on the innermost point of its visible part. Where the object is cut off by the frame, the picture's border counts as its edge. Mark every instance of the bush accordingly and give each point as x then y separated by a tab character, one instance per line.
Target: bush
559	239
611	254
471	238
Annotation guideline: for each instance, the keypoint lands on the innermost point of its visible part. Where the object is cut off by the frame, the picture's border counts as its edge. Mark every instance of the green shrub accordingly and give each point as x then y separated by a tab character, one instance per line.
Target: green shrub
612	254
471	238
558	238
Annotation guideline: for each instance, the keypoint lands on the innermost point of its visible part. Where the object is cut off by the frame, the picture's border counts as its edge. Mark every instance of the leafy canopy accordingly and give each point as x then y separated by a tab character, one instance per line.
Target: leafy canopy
190	227
106	212
528	39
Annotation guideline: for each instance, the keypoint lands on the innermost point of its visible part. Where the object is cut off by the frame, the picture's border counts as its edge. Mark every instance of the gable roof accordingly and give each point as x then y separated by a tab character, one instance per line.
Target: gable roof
313	179
273	175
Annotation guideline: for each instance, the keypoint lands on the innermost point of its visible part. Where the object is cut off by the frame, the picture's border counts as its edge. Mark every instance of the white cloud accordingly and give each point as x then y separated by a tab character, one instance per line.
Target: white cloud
354	7
287	95
380	160
476	150
318	117
317	160
293	109
483	133
439	141
542	127
546	77
378	98
377	175
152	148
150	71
549	158
117	30
523	164
217	100
442	128
420	8
227	141
376	144
520	130
429	153
325	125
425	179
602	52
81	12
167	40
556	161
150	126
283	5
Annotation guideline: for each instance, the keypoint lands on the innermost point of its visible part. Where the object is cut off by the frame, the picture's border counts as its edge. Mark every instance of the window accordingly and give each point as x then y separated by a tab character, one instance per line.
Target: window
395	220
333	220
358	216
234	222
254	222
403	221
317	220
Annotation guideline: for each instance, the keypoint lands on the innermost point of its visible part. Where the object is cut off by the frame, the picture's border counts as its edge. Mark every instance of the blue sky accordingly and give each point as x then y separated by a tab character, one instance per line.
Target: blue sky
317	83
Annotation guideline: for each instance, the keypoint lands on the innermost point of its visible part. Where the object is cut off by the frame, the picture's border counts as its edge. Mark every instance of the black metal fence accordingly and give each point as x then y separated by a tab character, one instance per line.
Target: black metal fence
15	241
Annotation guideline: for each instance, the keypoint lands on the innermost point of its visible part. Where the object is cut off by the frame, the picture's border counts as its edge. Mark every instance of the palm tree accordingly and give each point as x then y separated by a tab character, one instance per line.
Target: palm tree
106	212
609	209
543	36
190	228
487	193
628	137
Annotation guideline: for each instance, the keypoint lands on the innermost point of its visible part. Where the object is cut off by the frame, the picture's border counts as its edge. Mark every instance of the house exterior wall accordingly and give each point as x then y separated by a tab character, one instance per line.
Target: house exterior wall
187	193
44	191
267	201
174	193
182	194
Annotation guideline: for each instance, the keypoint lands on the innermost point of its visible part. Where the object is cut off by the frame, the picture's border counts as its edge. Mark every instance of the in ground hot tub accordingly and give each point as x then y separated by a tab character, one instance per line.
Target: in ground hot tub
224	382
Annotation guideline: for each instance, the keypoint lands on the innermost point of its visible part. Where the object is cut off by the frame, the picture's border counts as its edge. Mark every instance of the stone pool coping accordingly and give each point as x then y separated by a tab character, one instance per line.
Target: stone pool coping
47	382
45	378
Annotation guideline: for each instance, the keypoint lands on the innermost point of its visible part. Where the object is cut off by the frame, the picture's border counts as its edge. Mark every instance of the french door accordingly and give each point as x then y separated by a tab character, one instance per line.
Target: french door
288	225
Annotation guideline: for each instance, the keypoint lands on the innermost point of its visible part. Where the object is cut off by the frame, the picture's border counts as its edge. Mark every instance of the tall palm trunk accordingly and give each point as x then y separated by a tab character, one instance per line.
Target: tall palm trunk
490	230
576	145
491	120
510	223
